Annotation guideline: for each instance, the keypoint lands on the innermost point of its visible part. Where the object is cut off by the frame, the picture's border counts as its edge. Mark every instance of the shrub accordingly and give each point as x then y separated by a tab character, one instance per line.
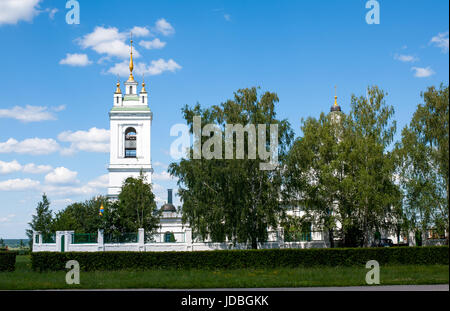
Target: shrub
7	261
238	259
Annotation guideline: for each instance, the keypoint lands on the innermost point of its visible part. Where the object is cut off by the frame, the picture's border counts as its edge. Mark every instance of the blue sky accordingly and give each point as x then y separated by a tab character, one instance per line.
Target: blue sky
57	79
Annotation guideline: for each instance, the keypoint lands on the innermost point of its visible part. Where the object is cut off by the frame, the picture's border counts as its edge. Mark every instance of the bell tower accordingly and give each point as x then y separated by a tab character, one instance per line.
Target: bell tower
130	121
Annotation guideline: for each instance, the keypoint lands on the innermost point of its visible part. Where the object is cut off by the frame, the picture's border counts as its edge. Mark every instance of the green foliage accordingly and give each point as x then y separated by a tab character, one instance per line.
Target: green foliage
340	171
24	278
423	157
43	220
82	217
241	259
7	261
232	198
136	207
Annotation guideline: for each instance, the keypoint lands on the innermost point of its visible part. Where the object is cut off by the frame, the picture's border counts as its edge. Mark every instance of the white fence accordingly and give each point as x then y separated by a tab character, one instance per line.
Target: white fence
63	241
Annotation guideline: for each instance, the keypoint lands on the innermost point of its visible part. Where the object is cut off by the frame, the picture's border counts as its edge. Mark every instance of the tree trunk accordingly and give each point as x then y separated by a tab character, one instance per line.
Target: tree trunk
254	243
331	237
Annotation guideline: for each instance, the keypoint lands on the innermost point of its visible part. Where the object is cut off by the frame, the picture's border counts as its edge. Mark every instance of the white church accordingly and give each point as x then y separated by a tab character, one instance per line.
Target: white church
130	153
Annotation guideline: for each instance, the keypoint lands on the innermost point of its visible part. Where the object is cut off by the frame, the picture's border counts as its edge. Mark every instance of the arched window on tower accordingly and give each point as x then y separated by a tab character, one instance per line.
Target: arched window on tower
131	89
130	143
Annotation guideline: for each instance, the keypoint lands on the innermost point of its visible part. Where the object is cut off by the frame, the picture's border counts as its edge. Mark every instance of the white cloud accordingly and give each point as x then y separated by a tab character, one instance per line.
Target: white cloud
33	146
164	27
59	108
30	113
14	166
13	11
9	167
93	140
157	187
156	67
19	184
164	176
52	12
107	41
406	58
7	218
100	182
422	72
441	41
63	202
154	44
61	175
95	186
36	169
140	31
80	60
157	163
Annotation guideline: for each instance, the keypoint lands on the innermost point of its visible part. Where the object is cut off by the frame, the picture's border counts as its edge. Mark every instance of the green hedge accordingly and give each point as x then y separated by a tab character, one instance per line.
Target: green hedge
7	261
237	259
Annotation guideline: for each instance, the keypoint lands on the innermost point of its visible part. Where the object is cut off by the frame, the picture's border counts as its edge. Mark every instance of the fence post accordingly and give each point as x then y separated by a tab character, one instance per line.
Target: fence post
68	240
411	238
58	235
38	244
188	239
100	241
281	238
141	239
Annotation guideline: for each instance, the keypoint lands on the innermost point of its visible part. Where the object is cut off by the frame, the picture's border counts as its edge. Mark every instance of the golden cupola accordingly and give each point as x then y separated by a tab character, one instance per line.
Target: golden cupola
335	107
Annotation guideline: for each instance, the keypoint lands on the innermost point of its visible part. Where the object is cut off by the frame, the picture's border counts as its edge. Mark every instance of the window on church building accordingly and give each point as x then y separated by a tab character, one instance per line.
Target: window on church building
131	90
130	143
142	99
169	237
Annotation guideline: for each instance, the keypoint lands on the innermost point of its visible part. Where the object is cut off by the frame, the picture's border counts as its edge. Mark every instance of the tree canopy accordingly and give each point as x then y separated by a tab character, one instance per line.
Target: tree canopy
229	197
423	157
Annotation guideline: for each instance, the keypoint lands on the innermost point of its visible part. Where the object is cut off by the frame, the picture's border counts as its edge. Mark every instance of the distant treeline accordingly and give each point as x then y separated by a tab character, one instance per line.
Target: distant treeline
15	242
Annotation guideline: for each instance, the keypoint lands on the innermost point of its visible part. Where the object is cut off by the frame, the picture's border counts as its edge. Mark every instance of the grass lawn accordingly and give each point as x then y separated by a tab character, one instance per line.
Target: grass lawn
25	278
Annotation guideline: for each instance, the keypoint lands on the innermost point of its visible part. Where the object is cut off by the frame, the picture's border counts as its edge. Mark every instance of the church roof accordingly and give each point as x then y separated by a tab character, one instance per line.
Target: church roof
335	107
169	207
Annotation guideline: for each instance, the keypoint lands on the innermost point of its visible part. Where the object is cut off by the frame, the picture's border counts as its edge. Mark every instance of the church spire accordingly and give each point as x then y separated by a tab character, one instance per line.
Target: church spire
118	91
131	78
335	107
143	85
335	97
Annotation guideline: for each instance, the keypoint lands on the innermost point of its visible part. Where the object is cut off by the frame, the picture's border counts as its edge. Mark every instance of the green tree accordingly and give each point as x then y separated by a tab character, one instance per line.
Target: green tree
423	156
313	172
341	173
2	243
369	178
82	217
136	207
229	198
42	221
